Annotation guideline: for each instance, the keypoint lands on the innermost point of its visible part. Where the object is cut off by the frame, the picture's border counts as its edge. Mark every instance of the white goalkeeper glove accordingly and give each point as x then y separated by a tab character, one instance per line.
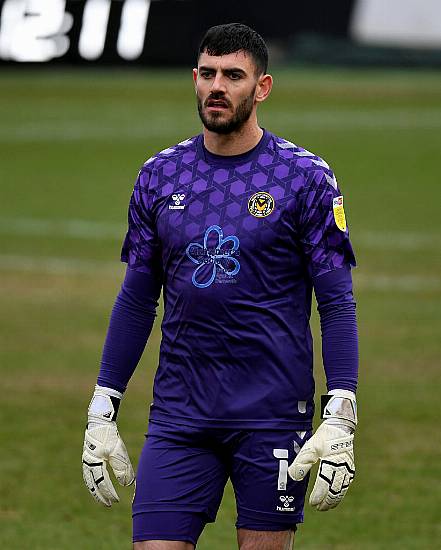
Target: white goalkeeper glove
103	444
332	443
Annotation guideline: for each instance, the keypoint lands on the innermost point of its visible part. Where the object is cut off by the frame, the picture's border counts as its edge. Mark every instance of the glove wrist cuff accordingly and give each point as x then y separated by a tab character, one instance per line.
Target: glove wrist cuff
340	407
104	405
102	390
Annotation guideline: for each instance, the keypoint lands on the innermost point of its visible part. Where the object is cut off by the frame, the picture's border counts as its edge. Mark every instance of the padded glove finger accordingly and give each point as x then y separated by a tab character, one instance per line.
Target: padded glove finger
304	461
120	463
97	479
332	482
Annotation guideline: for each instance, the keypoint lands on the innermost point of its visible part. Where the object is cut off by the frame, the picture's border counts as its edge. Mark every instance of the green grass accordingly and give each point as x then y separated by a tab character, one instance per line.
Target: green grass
71	145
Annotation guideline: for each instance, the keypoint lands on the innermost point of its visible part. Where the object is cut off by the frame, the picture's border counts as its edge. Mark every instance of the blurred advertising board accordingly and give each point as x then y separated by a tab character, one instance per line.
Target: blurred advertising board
150	32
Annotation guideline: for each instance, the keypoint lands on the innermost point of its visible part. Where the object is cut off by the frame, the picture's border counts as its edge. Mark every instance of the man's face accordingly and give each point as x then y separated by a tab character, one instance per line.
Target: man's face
226	90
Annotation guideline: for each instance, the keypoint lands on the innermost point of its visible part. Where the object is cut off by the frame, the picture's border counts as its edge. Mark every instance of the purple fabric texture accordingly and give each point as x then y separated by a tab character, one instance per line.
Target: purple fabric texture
236	243
130	325
338	321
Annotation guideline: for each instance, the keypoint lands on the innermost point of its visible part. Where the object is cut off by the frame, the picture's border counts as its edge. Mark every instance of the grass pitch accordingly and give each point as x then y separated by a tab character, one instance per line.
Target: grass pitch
71	144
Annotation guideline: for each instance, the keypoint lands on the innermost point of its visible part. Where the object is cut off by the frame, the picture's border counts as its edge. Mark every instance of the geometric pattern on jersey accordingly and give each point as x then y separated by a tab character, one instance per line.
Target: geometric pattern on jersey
222	193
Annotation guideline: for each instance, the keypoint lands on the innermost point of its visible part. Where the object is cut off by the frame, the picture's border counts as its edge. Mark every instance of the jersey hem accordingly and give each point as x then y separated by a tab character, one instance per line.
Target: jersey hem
256	424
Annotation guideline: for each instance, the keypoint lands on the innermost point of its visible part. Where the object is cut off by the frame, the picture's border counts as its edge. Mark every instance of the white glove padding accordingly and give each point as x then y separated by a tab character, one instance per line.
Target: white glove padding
102	444
332	443
334	447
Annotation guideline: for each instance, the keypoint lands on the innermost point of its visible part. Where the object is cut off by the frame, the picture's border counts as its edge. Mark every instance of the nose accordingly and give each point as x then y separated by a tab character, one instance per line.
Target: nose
218	84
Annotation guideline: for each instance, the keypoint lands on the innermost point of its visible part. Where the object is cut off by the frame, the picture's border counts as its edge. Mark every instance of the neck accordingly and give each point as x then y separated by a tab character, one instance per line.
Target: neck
235	143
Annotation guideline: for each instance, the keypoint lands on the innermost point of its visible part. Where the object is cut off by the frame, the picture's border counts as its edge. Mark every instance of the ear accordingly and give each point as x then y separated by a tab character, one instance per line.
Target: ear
264	86
195	75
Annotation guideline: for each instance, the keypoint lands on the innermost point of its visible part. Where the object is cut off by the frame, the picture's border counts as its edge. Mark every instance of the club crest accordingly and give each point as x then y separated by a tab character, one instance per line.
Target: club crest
261	204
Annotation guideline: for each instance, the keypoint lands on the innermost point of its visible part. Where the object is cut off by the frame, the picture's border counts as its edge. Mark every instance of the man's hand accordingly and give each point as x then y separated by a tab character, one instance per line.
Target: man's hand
103	444
332	443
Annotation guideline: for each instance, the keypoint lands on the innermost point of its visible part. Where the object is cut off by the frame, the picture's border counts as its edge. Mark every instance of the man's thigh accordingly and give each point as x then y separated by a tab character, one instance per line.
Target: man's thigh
162	545
179	486
268	500
265	540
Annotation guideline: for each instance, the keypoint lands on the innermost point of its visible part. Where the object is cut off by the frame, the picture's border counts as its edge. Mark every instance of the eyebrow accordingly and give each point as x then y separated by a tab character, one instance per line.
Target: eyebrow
225	71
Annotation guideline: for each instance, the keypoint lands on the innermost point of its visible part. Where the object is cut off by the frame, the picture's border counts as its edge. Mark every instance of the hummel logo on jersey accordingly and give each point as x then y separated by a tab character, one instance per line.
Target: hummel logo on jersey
286	504
177	199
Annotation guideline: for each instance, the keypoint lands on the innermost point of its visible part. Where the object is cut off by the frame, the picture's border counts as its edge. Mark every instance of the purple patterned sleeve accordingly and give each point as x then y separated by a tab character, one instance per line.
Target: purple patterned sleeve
338	322
130	325
141	248
325	245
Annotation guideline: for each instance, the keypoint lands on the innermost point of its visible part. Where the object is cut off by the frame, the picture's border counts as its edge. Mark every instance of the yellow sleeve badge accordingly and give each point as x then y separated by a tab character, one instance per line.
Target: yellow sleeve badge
339	213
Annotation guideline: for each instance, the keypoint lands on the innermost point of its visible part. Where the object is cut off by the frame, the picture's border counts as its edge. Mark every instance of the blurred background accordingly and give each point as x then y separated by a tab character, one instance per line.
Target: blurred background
88	91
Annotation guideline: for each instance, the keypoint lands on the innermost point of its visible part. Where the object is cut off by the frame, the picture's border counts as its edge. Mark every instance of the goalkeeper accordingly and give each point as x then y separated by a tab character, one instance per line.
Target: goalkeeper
237	227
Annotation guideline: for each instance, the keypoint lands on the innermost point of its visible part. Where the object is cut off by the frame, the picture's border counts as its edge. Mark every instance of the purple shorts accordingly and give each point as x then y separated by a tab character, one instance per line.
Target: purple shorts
183	470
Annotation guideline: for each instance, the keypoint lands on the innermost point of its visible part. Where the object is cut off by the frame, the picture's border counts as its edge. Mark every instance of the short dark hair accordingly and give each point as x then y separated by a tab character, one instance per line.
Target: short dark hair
234	37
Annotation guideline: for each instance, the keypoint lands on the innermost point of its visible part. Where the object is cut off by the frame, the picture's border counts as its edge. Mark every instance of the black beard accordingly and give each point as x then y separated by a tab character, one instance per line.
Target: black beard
240	116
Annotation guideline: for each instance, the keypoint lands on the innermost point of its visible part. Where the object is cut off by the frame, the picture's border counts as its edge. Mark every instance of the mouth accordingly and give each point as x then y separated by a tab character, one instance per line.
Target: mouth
216	104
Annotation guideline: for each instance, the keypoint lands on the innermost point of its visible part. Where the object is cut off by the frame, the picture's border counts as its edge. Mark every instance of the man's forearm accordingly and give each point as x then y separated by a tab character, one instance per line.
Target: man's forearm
130	325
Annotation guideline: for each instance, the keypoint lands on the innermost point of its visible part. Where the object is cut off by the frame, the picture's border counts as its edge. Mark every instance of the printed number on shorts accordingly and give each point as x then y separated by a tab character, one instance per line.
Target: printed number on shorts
282	455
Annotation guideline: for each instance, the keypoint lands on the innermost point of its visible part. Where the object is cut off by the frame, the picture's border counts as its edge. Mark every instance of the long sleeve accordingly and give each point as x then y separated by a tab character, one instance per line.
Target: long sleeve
336	306
130	325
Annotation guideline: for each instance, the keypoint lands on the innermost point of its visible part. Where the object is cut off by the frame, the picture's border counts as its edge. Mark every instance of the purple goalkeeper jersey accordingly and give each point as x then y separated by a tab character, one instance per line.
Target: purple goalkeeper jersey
236	243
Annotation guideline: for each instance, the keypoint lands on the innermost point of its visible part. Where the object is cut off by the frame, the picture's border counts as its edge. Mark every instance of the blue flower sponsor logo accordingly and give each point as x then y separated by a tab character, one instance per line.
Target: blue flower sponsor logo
215	259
